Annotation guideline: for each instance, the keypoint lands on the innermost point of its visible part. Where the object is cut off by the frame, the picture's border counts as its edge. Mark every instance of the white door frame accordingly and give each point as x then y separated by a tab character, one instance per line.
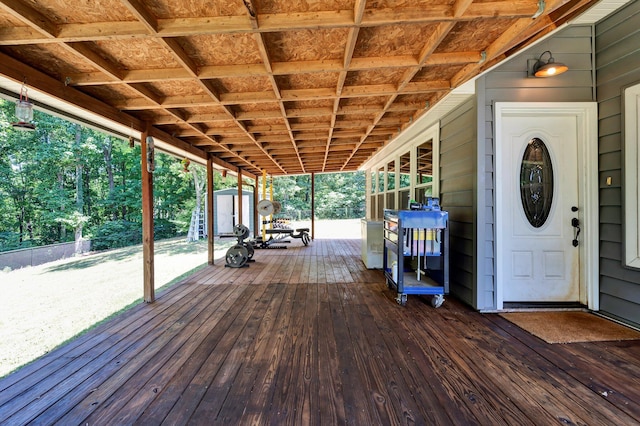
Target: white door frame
587	134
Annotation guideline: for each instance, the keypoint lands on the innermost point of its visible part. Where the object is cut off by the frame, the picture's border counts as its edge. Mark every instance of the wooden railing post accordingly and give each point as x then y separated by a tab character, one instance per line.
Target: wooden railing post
313	206
239	212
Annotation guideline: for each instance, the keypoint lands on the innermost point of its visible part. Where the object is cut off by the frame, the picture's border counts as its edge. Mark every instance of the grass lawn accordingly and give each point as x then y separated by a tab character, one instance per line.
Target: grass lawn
46	305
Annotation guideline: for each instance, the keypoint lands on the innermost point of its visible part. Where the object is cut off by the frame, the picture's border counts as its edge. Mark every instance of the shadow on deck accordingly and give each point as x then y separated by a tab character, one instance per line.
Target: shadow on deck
309	336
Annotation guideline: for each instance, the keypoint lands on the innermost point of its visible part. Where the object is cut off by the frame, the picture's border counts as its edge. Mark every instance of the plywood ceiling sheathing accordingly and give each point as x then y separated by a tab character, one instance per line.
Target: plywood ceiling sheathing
294	76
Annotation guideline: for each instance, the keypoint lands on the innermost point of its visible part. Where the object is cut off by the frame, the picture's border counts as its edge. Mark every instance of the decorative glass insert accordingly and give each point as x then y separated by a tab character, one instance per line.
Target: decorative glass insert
536	182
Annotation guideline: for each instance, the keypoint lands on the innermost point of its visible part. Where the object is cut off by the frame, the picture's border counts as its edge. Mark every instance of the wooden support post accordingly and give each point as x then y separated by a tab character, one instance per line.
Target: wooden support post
239	213
313	206
210	212
264	197
147	158
256	224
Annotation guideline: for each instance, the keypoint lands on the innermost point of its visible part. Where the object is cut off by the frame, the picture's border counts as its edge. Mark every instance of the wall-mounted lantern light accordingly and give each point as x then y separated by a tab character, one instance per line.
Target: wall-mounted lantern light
548	68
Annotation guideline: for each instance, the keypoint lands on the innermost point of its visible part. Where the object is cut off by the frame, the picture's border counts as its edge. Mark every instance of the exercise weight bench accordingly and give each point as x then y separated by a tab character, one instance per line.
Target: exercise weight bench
282	235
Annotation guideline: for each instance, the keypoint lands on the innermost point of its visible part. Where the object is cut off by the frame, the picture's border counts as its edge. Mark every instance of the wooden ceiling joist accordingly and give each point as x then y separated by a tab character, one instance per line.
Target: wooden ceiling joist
255	73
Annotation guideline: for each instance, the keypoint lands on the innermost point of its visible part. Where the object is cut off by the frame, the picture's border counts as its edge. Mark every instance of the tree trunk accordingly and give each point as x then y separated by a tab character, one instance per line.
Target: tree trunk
199	186
62	228
79	189
86	182
21	221
124	185
78	240
106	152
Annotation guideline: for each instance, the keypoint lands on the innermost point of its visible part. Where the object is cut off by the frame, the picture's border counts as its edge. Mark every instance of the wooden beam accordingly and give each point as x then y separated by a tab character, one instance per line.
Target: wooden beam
146	156
21	10
299	21
496	48
266	60
239	212
296	67
245	98
308	94
143	14
181	27
181	56
96	31
308	112
17	71
368	90
207	25
210	211
440	13
256	218
313	206
278	68
221	71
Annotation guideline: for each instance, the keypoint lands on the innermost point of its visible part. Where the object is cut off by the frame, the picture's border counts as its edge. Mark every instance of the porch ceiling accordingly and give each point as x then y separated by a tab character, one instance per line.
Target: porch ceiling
283	87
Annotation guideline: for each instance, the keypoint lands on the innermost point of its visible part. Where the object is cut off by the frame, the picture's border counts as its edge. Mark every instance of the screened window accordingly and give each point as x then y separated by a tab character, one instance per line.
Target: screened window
425	163
405	170
391	175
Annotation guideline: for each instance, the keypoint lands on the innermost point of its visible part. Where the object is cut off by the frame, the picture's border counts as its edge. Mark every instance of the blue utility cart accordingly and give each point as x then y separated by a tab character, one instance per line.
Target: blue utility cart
416	252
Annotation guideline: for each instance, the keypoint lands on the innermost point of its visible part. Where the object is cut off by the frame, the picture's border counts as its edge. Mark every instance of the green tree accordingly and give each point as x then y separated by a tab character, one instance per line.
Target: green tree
337	195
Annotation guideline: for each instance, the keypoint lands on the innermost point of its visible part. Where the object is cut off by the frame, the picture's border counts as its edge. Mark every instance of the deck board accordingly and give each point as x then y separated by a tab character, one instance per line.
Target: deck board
308	335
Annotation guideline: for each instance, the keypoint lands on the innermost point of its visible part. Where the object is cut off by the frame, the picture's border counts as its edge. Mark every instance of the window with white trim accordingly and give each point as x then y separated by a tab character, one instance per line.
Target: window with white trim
632	175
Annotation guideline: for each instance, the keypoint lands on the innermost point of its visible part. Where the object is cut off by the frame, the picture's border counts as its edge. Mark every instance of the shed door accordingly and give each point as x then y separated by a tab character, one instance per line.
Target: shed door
224	213
538	199
245	210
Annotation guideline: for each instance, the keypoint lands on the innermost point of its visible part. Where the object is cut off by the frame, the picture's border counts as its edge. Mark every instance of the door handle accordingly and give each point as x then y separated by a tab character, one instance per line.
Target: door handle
576	231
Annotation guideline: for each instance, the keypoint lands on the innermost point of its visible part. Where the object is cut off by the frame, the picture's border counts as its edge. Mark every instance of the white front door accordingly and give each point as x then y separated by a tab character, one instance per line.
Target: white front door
539	198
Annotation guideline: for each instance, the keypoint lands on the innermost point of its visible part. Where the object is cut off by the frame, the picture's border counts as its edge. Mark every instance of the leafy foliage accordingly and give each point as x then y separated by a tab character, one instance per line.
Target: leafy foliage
64	181
63	178
337	195
117	233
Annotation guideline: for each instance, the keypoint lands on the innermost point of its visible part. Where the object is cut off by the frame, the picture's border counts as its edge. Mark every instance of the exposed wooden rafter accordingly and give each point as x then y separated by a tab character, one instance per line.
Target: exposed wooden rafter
279	87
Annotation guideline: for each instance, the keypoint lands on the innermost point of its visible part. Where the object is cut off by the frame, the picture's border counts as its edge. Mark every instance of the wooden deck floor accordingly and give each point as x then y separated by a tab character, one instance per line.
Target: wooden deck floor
308	336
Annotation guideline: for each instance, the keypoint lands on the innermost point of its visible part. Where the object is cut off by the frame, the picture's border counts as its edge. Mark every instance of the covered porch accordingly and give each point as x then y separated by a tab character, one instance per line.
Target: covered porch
308	335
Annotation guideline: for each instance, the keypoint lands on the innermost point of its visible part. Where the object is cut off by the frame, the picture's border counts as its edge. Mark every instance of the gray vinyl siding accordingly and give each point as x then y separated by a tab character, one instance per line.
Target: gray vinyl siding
509	83
457	186
617	66
485	294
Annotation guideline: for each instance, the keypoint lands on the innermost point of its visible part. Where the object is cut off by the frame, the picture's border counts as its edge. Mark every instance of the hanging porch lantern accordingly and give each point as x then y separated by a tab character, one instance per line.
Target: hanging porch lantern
185	164
24	112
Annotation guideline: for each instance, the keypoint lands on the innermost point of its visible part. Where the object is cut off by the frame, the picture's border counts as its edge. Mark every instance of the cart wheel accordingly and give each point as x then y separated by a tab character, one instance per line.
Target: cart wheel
437	300
401	299
237	256
305	239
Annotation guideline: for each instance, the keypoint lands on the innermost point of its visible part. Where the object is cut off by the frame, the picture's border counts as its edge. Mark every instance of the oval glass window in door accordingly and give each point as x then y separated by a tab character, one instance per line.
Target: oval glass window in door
536	182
